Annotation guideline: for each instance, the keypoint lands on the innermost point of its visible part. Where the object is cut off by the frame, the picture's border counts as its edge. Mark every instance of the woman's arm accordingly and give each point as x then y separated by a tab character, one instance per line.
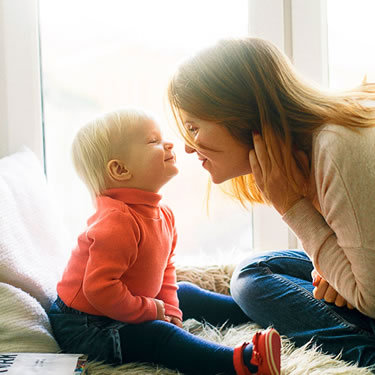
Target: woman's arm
339	241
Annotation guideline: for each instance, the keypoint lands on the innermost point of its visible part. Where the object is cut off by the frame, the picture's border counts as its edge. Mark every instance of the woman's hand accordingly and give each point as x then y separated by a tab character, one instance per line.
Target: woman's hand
270	175
325	291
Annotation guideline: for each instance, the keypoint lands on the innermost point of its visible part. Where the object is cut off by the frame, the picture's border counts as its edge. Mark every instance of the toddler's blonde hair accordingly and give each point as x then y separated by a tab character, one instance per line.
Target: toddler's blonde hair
93	145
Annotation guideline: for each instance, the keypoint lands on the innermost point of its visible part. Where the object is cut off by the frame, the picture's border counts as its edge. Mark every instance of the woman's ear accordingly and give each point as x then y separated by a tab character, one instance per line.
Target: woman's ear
118	171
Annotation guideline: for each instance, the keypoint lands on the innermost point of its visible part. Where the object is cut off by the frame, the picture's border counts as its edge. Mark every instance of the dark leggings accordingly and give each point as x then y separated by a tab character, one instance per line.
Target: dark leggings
160	342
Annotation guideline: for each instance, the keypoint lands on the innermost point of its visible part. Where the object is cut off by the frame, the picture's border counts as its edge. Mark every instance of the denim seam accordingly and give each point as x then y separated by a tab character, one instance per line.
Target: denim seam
339	319
117	345
283	257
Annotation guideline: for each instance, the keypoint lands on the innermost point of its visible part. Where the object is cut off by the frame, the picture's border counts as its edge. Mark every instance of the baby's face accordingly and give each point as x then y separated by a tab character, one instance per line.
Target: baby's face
149	158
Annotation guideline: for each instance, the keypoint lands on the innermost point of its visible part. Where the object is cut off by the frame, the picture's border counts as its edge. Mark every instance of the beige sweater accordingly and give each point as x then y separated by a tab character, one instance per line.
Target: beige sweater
341	240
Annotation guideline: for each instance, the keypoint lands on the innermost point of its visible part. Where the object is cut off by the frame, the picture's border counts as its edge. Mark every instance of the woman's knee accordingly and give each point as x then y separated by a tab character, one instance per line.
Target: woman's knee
255	268
186	285
254	273
249	263
245	280
186	289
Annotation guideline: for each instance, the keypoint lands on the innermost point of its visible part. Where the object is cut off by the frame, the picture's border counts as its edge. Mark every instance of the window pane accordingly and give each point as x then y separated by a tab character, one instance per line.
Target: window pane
351	42
102	55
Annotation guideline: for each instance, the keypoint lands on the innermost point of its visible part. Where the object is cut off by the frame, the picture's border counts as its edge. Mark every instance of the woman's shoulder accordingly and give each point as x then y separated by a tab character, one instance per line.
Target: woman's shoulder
341	140
344	155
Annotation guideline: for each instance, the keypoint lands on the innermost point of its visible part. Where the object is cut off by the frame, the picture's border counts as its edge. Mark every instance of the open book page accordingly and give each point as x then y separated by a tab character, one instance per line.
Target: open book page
41	364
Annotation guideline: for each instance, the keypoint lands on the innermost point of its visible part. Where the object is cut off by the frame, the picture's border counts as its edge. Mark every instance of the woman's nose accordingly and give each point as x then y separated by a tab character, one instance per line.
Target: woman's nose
189	149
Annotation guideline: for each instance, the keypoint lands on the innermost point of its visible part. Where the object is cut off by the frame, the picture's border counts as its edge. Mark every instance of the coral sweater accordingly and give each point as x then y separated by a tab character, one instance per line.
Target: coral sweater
340	239
124	259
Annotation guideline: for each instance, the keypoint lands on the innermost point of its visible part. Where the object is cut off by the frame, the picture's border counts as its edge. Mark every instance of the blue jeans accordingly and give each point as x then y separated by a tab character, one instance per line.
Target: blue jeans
154	341
276	288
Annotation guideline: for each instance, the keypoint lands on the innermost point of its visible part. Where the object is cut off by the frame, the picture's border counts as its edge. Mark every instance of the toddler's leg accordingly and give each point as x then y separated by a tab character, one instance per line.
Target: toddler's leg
212	307
163	343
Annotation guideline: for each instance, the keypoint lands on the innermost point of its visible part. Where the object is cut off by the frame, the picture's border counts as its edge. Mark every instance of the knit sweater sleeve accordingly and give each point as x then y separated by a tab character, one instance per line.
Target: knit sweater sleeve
340	240
113	250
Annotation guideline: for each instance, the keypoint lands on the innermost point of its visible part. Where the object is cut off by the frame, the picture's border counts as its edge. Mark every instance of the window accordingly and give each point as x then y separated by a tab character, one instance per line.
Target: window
98	56
351	42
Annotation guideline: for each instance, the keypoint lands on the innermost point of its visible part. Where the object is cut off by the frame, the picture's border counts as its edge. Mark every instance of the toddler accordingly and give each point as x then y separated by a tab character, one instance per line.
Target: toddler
118	300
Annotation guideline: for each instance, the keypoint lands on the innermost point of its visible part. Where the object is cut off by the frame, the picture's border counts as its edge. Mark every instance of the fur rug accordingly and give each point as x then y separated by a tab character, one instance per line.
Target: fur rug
295	361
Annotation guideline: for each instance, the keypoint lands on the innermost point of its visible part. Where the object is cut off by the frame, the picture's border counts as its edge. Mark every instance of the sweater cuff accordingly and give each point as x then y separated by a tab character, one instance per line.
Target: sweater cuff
309	226
171	310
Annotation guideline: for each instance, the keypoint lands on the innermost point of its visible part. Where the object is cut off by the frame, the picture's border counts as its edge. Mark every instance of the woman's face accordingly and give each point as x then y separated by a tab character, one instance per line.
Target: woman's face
222	155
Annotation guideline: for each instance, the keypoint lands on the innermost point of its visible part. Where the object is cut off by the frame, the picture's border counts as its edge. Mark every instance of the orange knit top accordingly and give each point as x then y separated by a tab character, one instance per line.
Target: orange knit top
124	259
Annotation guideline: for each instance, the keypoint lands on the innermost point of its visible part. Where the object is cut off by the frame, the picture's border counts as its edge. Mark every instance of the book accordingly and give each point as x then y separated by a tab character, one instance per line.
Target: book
42	364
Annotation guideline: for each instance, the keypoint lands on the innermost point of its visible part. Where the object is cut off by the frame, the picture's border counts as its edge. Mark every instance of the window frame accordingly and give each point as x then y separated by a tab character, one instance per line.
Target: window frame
20	83
290	24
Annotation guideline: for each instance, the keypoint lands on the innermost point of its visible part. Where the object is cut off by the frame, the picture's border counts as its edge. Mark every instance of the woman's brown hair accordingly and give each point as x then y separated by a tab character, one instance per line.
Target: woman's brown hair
247	85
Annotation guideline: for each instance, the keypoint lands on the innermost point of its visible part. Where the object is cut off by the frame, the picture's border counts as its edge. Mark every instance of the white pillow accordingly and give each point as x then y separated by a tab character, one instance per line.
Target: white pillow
32	251
24	325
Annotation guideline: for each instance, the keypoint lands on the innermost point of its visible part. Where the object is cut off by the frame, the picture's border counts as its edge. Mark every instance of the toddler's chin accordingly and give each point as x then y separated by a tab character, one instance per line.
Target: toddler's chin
174	173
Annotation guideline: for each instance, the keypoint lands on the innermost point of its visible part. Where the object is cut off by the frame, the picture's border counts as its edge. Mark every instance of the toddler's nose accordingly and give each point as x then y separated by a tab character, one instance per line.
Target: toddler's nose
189	149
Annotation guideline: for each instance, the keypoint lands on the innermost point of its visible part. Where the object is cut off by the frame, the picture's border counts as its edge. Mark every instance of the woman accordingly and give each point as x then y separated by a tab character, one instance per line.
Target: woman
276	139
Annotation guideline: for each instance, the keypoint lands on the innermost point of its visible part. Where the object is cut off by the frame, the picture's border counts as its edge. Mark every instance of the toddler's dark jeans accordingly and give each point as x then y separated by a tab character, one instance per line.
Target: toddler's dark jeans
155	341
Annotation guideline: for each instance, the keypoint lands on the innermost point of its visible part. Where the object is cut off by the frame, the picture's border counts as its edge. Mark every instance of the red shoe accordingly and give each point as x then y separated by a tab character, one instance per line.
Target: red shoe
266	354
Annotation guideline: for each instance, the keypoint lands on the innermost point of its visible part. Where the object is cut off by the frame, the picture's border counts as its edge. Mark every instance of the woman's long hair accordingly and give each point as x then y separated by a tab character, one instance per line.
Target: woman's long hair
247	85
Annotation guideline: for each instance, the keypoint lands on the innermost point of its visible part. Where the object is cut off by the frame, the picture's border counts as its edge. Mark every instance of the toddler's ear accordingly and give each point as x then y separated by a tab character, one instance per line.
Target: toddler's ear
118	171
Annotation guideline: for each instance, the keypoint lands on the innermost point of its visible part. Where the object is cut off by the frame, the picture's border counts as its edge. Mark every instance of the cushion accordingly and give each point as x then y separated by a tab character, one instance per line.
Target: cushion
24	324
32	247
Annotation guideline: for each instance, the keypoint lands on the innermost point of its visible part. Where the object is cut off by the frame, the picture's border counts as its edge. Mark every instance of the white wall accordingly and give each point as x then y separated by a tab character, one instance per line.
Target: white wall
20	94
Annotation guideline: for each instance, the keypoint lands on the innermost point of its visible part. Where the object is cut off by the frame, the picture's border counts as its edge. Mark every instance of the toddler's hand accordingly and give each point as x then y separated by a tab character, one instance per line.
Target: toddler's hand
160	309
174	320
